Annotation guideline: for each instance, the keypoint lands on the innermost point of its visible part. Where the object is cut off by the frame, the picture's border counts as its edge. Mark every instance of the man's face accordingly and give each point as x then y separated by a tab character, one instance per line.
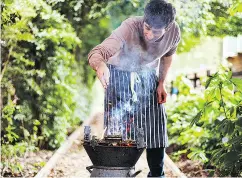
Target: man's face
152	34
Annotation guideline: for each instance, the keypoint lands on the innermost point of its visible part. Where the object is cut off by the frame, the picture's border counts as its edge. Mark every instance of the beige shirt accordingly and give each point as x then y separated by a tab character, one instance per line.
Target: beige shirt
127	49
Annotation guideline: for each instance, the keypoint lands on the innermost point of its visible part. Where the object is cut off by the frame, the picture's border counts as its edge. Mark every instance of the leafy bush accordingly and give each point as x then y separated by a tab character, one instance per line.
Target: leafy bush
42	90
207	125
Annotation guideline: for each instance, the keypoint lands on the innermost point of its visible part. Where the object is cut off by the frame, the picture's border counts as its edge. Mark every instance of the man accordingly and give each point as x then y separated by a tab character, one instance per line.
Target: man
132	65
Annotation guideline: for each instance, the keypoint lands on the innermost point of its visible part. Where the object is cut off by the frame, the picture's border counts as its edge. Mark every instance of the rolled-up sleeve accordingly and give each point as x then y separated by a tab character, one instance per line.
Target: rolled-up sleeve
111	45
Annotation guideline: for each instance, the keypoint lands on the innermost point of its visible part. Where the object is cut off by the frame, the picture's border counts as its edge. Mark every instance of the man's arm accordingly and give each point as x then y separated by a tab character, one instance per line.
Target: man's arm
111	45
99	55
165	64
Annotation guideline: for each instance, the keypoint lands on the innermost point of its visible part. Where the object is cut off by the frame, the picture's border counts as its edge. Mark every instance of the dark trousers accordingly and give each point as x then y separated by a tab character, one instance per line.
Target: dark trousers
155	159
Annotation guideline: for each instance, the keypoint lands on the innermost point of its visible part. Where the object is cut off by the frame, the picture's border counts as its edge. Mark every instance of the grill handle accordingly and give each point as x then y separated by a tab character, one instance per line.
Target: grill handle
89	168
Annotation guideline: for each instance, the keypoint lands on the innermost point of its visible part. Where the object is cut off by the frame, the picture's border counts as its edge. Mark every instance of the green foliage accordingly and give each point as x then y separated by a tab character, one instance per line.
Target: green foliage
42	90
208	123
88	18
198	19
131	8
227	19
235	8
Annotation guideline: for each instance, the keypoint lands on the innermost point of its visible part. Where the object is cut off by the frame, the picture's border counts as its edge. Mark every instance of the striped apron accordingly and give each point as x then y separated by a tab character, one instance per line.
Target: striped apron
131	103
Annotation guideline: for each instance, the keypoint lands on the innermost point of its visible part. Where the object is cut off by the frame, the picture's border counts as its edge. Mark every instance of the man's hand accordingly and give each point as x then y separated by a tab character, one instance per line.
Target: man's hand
103	74
161	93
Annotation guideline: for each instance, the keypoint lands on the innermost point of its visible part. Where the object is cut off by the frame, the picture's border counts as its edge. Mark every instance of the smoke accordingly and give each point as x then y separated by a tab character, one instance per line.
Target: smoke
141	67
122	116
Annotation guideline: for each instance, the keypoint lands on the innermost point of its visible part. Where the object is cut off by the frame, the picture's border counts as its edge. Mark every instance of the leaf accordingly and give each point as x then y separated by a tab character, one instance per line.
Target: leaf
211	173
26	133
231	87
238	83
35	128
217	94
230	128
196	118
222	124
230	73
36	122
34	86
208	82
199	124
219	159
217	152
208	103
239	122
234	140
239	110
237	7
25	37
231	156
232	111
19	117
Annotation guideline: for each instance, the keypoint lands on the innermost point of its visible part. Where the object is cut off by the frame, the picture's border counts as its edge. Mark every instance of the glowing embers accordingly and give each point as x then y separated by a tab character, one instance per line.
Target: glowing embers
116	140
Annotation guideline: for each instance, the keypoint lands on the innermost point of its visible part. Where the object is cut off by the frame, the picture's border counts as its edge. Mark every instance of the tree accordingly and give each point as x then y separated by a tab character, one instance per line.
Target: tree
39	79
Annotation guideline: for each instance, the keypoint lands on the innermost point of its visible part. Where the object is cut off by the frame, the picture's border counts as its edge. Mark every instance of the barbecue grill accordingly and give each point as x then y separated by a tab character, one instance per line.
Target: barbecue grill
112	156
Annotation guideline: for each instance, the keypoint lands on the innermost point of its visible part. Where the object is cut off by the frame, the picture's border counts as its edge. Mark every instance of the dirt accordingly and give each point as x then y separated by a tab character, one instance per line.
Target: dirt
31	163
194	169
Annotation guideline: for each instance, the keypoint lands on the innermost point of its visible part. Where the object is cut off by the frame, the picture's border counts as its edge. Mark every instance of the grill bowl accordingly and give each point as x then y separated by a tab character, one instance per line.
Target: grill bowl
113	156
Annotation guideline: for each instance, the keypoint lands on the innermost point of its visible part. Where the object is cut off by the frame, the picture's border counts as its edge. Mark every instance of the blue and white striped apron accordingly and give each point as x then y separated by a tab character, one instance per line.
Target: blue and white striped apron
131	102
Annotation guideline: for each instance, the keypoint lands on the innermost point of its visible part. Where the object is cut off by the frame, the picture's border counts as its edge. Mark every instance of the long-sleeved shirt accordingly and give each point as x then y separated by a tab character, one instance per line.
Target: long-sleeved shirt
127	48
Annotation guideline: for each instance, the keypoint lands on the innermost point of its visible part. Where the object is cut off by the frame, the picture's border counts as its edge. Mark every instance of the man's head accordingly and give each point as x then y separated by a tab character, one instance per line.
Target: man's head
158	17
